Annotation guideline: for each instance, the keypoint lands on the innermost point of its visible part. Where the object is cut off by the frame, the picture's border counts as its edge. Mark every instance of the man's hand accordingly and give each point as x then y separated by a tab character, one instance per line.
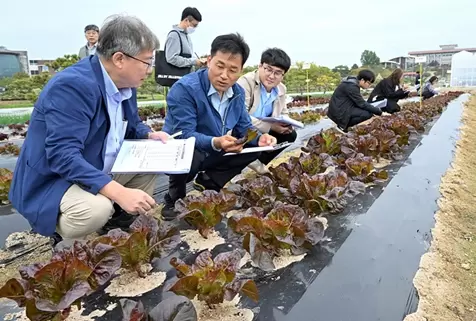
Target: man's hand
201	62
162	136
135	201
267	140
281	128
386	114
227	144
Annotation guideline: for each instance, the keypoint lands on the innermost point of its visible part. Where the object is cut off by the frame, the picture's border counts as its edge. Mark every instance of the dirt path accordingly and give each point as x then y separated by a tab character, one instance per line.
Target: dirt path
446	280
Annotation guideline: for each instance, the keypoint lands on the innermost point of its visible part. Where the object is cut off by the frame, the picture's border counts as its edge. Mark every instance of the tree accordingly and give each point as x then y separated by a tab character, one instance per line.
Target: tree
369	58
354	66
149	87
320	78
327	82
249	69
343	70
18	89
63	62
24	87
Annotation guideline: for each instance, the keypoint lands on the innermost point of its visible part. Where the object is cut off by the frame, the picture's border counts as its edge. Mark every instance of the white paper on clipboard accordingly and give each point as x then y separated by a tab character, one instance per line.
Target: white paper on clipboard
260	149
148	156
380	104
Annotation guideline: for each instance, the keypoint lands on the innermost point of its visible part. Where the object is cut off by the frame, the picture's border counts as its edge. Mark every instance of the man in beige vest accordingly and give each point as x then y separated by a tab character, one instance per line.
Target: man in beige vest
265	97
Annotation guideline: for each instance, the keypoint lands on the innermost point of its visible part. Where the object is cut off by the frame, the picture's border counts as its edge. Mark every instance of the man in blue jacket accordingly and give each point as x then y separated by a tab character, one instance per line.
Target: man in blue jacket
62	179
207	105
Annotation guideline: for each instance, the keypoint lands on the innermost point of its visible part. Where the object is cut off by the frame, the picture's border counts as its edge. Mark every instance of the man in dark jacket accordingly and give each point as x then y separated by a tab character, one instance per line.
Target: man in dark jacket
347	107
207	105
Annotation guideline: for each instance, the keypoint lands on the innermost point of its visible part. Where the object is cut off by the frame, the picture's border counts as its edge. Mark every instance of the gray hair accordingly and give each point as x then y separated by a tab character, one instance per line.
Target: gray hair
127	34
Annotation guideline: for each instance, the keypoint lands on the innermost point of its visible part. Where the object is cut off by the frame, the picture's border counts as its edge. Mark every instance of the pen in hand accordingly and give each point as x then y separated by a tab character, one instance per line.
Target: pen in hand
175	135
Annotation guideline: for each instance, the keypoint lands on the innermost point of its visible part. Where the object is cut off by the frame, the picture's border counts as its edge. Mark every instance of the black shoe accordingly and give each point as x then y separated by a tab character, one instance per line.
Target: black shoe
203	182
168	211
55	239
342	130
120	219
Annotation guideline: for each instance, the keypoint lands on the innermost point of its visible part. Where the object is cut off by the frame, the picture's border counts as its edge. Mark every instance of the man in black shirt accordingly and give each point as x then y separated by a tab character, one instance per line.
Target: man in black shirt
347	107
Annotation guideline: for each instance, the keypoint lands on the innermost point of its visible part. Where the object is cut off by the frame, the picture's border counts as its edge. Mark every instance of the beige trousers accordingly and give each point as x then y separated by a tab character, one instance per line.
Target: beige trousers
82	213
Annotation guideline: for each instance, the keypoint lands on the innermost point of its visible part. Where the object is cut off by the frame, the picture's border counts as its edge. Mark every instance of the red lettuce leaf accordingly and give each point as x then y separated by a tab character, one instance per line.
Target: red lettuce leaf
210	279
205	210
286	227
148	239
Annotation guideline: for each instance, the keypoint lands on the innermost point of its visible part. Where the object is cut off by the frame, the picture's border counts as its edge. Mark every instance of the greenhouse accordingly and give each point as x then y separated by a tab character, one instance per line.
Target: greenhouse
463	69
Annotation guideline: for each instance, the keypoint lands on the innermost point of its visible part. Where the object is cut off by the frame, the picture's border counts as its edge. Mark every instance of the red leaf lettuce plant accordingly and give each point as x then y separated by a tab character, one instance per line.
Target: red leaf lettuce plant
286	227
206	210
326	192
361	169
48	290
148	238
212	280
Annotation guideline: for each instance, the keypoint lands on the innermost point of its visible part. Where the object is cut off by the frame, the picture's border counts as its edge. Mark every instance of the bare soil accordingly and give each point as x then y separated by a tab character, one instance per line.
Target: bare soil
446	280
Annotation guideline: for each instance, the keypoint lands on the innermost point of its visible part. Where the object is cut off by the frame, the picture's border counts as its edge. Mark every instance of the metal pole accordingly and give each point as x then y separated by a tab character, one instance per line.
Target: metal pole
307	80
165	99
421	85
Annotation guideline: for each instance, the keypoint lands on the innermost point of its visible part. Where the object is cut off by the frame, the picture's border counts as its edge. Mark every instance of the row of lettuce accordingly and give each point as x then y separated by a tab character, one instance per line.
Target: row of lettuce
284	212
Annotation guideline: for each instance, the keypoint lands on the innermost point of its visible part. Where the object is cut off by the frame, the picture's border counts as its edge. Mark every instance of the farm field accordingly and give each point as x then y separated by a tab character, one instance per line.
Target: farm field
343	222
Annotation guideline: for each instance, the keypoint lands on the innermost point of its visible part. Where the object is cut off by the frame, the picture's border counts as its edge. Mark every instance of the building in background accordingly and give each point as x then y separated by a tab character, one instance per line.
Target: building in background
37	66
440	57
389	64
12	62
405	62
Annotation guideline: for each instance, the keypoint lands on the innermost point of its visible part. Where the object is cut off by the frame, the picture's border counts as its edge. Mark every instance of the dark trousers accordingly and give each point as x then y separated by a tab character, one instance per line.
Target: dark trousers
267	157
357	116
427	94
392	107
218	168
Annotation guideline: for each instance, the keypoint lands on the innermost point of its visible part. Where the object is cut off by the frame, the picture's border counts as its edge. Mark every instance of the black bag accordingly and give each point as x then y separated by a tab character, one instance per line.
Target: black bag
166	74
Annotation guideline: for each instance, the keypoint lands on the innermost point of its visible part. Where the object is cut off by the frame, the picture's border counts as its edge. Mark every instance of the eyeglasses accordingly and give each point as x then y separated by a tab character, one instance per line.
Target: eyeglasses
276	73
150	64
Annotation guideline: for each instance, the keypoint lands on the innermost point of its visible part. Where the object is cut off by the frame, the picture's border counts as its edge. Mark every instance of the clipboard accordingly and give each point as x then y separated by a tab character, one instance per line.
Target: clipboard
147	156
380	104
260	149
283	119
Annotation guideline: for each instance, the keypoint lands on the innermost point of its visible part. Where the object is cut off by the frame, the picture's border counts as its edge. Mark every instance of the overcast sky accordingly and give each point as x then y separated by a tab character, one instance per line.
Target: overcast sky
327	33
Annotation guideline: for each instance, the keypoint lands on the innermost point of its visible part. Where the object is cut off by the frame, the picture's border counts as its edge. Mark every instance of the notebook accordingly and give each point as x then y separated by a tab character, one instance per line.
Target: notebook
380	104
147	156
260	149
283	119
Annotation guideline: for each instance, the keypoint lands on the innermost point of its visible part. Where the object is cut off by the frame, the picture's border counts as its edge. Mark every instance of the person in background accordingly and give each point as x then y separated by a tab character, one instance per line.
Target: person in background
91	32
265	96
347	107
417	81
207	104
62	180
429	88
178	45
391	89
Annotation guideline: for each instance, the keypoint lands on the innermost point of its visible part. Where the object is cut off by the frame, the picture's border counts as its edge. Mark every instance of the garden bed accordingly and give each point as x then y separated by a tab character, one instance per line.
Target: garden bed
364	264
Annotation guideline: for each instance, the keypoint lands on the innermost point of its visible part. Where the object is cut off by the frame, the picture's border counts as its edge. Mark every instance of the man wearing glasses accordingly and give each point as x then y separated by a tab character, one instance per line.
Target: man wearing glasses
91	32
178	45
347	107
266	97
62	182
